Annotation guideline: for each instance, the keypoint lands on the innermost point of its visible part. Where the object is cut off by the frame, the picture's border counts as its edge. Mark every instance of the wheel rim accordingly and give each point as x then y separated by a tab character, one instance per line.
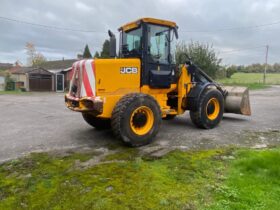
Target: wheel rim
213	108
142	120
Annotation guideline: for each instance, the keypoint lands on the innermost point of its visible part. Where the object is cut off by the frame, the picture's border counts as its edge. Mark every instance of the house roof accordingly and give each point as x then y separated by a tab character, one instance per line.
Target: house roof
58	65
5	66
39	71
20	70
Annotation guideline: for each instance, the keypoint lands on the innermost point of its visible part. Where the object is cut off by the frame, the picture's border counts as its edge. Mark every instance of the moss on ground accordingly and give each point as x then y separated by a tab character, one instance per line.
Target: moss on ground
209	179
175	181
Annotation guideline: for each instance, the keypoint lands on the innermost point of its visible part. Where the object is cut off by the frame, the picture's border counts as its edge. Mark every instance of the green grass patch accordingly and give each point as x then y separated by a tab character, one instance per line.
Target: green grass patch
251	80
251	86
208	179
41	181
253	182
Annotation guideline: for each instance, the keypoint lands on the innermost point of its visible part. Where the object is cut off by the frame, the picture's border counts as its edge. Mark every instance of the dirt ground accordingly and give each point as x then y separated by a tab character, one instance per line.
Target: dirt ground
41	122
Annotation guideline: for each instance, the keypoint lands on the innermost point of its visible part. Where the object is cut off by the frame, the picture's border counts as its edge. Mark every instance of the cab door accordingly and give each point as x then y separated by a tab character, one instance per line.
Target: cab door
158	61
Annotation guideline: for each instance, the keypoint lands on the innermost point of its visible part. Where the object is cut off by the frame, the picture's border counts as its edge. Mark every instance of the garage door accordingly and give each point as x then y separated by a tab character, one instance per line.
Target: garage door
40	82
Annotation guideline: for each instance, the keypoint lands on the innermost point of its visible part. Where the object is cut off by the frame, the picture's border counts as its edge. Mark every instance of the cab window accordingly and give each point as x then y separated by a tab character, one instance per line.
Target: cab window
131	42
158	45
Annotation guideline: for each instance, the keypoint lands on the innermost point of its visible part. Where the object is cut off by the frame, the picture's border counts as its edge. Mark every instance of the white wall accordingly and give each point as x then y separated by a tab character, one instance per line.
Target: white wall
2	83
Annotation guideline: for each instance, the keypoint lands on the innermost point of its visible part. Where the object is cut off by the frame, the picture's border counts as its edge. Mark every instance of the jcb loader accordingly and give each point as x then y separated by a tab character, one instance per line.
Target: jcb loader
131	93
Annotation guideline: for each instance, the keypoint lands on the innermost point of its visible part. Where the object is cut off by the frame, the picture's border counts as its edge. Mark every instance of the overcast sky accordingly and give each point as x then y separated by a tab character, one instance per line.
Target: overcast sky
215	22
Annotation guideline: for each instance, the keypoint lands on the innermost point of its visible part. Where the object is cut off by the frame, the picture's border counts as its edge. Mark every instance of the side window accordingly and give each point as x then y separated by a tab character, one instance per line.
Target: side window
158	46
133	42
173	50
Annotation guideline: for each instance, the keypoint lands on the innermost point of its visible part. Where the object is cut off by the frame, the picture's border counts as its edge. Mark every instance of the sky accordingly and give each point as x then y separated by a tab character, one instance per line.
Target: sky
237	30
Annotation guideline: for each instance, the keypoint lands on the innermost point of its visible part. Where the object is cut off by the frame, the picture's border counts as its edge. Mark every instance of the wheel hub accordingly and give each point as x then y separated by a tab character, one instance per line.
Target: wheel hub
213	109
139	119
210	109
142	120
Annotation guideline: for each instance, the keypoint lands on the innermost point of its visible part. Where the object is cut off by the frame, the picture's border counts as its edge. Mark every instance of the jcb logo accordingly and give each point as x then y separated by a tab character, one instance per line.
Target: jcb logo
129	70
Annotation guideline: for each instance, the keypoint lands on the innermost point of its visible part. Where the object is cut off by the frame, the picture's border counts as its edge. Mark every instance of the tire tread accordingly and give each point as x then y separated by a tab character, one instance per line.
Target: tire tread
119	112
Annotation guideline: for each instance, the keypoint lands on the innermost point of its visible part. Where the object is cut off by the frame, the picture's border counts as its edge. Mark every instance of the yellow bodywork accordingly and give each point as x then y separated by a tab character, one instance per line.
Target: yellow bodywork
135	24
111	85
110	80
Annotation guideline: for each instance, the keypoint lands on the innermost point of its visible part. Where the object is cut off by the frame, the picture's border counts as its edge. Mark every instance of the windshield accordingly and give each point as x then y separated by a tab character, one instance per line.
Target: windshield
158	43
131	42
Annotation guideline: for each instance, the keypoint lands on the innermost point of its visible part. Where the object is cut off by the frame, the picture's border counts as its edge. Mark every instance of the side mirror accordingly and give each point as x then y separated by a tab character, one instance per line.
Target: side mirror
113	44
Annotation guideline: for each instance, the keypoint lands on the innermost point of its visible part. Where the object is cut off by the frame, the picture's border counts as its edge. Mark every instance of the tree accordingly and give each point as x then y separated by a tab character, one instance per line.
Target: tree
105	53
230	71
34	58
30	51
203	55
87	53
96	55
38	59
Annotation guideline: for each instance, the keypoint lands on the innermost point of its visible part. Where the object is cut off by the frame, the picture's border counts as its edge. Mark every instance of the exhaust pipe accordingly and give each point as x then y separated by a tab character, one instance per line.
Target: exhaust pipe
237	100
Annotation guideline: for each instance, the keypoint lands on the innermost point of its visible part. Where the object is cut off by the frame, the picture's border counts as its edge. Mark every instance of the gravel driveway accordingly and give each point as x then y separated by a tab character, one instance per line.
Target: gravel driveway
41	122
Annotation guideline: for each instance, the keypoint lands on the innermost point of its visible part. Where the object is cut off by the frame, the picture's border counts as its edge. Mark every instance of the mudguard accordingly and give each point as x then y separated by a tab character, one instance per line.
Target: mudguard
195	94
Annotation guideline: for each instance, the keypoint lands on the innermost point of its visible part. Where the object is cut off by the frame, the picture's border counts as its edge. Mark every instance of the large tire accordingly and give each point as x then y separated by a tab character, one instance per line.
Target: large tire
210	109
98	123
136	119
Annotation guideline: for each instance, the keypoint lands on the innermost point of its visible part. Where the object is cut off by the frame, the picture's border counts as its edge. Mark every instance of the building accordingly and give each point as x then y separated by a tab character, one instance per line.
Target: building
32	78
48	76
5	66
62	71
2	80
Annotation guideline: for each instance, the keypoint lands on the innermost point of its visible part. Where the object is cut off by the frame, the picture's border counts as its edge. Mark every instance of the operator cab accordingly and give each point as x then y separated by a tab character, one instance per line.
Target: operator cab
151	40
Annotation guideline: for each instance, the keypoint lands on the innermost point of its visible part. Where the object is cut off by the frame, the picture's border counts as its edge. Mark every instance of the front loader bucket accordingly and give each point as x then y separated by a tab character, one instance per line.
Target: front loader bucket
237	100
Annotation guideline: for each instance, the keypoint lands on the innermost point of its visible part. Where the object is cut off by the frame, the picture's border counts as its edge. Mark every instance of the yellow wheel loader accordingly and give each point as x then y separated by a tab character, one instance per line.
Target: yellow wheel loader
131	93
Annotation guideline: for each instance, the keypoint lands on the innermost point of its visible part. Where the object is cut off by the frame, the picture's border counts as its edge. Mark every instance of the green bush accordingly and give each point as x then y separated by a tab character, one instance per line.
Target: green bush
9	83
230	71
203	55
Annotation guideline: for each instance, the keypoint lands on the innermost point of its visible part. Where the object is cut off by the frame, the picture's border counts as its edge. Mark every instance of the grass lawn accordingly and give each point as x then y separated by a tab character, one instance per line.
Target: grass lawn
252	80
253	181
209	179
12	92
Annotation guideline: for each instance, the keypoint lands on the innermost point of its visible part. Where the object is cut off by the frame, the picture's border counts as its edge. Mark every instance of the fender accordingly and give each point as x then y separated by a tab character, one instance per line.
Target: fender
195	94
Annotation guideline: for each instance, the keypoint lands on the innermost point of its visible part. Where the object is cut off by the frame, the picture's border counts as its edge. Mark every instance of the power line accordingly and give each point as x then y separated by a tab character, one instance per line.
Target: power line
94	31
233	28
49	27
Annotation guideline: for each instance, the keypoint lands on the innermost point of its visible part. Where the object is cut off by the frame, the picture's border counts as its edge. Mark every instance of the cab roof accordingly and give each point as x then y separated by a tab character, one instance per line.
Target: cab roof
135	24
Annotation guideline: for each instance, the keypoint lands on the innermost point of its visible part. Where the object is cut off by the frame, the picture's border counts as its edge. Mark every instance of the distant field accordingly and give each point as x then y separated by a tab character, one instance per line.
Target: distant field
252	80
